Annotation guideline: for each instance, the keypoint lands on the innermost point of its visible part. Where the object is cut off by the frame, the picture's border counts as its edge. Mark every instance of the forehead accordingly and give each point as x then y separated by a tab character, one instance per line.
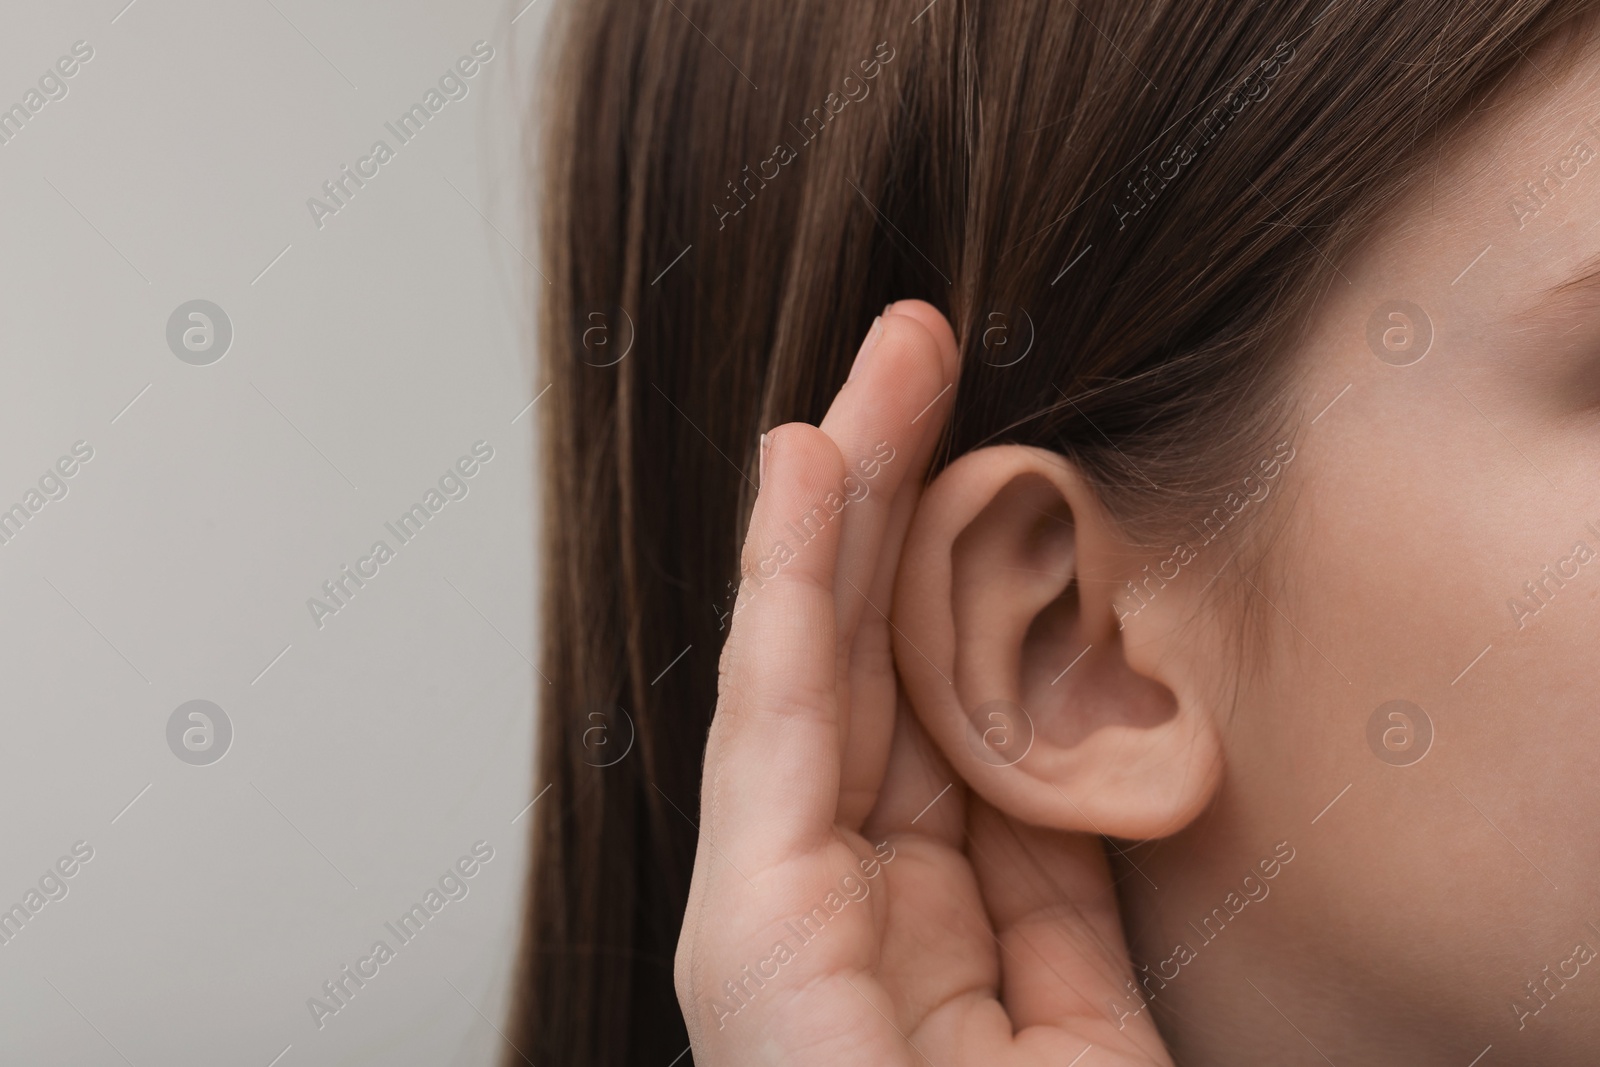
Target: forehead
1505	214
1475	264
1499	224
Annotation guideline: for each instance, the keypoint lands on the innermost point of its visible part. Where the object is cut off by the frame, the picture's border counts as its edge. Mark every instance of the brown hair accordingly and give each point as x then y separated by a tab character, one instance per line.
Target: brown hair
1143	195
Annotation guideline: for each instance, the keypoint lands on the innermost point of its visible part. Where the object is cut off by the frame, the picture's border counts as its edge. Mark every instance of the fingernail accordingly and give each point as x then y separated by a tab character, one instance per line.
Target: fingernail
866	346
887	307
761	464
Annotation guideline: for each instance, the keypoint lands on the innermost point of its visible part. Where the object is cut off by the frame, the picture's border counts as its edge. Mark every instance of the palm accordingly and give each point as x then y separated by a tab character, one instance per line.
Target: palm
851	902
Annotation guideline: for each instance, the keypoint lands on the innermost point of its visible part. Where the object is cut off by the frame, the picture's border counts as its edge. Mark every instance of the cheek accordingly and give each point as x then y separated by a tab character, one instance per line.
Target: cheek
1430	567
1409	521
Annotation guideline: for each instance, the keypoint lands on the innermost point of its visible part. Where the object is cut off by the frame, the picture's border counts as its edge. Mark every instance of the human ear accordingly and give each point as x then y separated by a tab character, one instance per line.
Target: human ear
1009	643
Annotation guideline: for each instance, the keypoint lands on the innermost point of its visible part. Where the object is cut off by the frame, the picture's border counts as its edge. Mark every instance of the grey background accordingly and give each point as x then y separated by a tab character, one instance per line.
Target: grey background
371	754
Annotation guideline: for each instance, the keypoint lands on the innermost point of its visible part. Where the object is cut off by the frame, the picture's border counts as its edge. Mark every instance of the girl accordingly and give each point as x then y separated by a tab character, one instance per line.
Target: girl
1160	634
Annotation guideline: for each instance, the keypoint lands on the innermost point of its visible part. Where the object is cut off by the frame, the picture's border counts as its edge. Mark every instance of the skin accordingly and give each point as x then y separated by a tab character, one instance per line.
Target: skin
1426	496
1415	889
816	765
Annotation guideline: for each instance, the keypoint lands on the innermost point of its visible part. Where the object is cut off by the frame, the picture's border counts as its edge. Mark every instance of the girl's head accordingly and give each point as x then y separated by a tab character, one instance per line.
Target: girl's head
1261	546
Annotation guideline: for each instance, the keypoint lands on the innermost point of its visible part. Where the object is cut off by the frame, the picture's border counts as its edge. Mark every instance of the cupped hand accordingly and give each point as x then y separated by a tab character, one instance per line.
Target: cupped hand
852	902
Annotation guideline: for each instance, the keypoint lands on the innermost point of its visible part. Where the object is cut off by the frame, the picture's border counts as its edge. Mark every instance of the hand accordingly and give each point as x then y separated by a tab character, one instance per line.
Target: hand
852	903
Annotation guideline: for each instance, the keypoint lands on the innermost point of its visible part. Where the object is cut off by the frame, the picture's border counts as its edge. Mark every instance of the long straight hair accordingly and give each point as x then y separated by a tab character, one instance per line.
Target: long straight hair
1125	208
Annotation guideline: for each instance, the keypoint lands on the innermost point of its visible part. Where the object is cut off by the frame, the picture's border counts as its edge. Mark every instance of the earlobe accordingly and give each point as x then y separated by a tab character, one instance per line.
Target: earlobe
1050	699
